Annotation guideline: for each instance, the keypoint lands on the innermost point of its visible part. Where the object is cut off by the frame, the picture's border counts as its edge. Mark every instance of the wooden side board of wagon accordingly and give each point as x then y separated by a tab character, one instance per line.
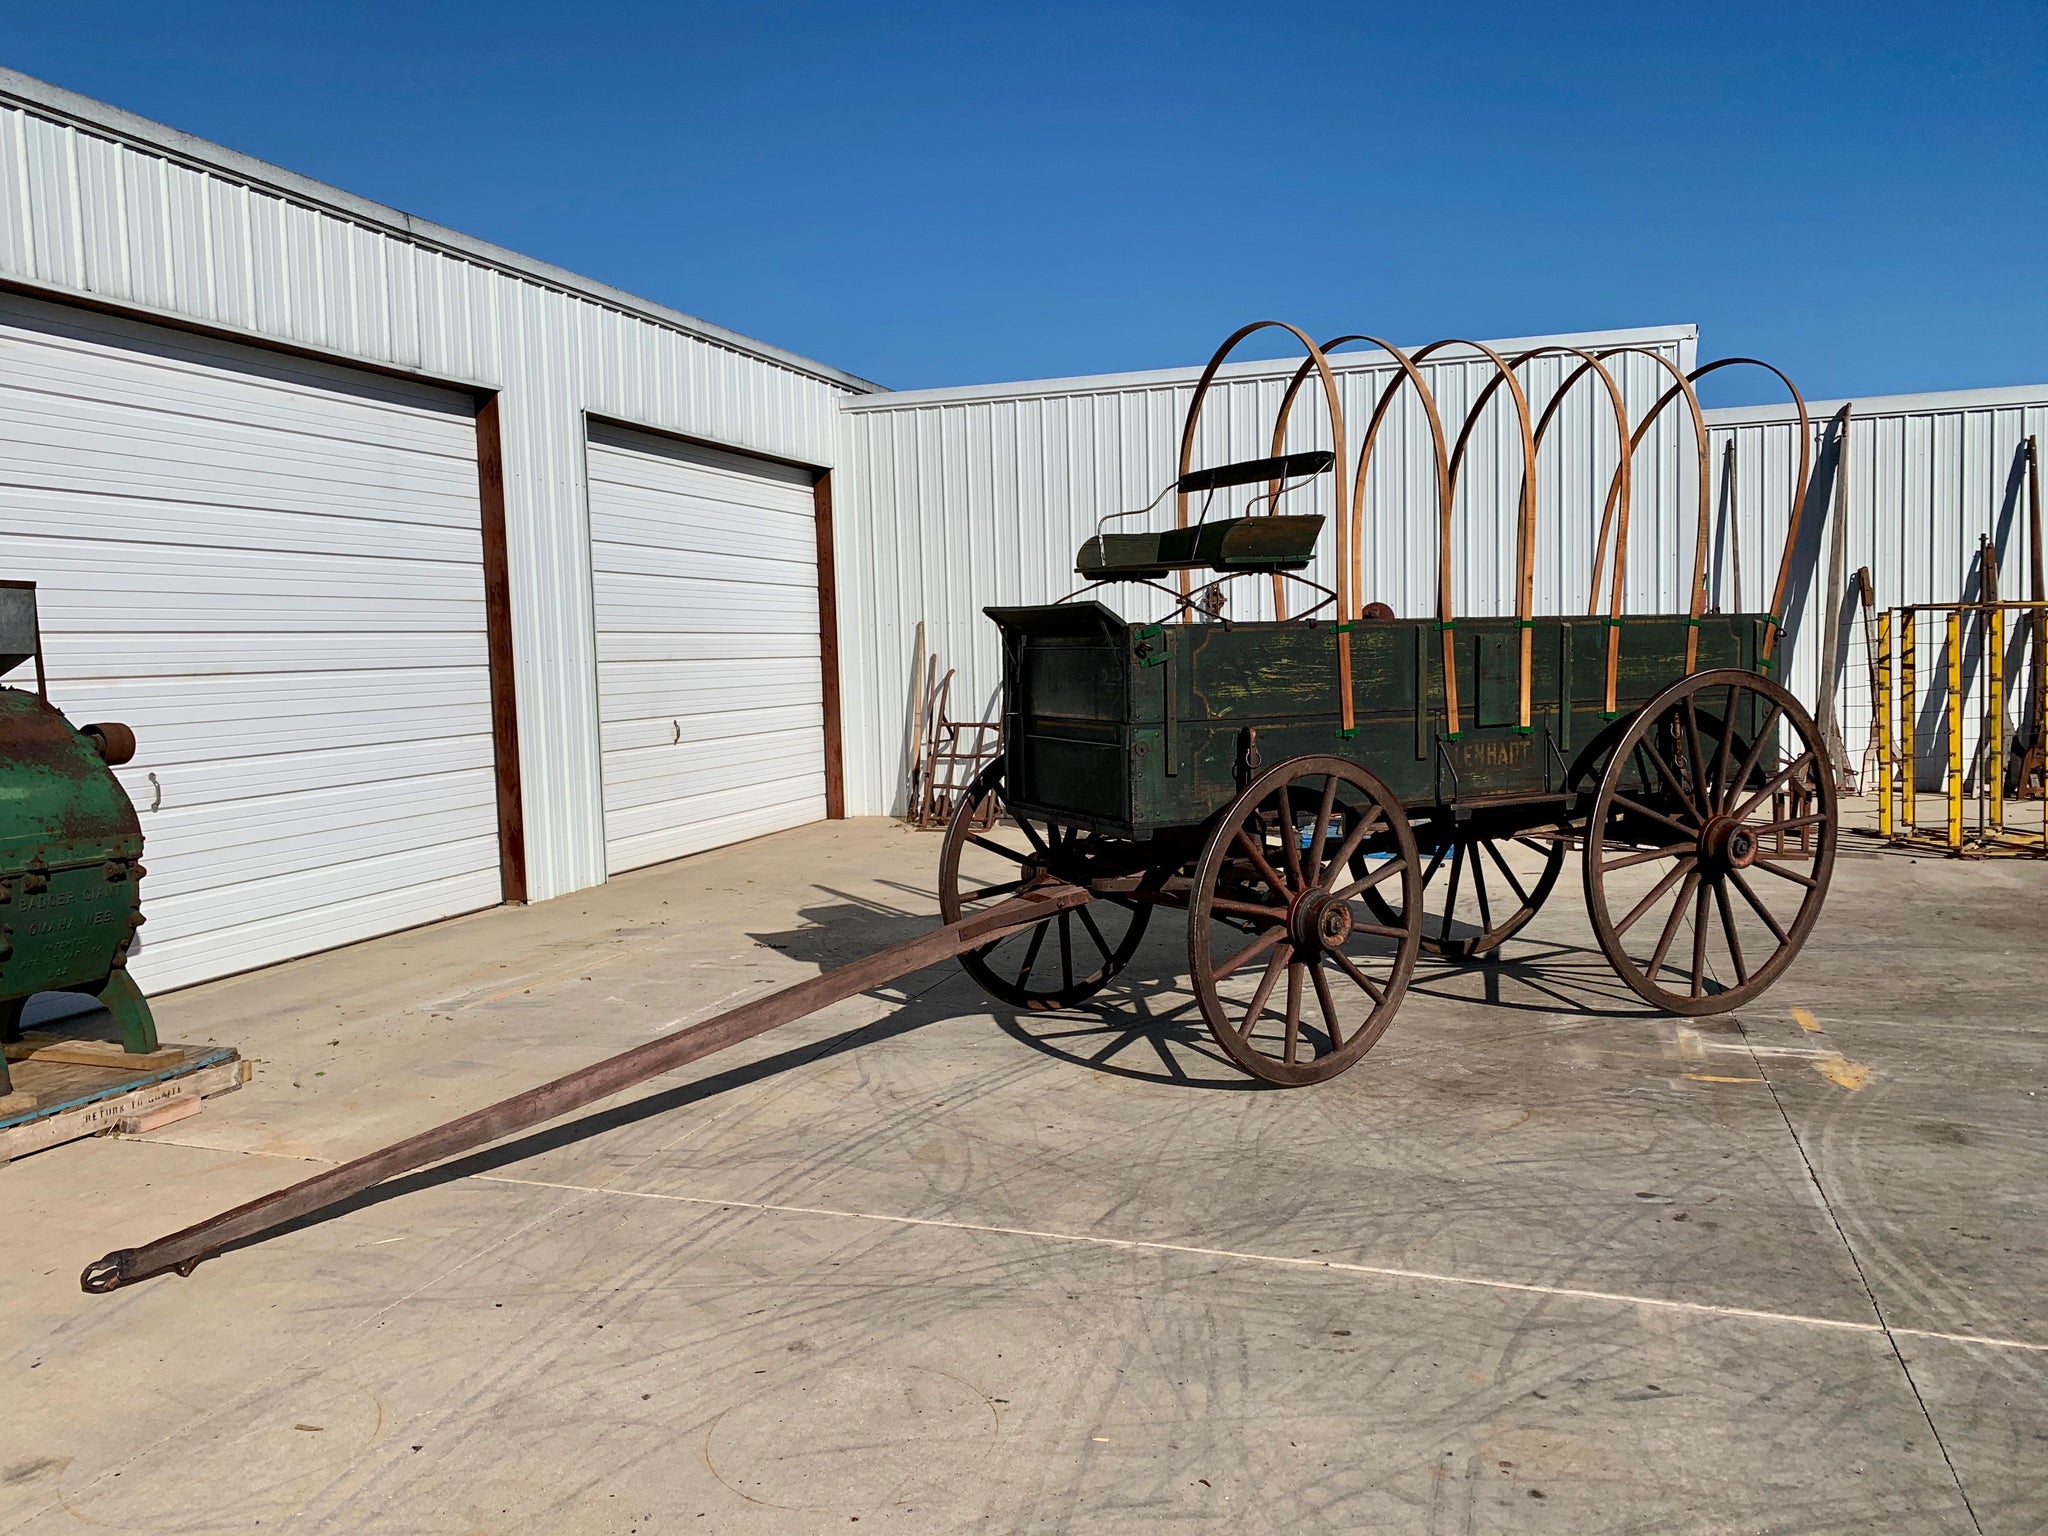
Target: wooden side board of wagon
1132	728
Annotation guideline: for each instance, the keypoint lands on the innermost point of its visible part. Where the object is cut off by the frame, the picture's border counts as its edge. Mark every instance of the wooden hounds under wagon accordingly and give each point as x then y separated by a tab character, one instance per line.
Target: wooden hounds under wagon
1327	794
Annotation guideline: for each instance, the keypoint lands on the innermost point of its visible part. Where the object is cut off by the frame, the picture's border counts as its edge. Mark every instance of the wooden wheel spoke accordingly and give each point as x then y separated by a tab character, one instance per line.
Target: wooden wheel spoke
1772	868
1683	867
1756	902
1293	1036
1066	951
1728	932
1031	832
1386	871
1500	862
1479	890
1351	968
1290	839
1380	930
1319	836
1697	760
1328	1004
1250	952
1248	909
1754	755
1788	824
1258	861
1451	902
1030	954
1699	942
1671	926
1341	859
1670	776
997	848
1436	862
1274	967
1717	779
1094	933
1778	780
1673	851
1637	808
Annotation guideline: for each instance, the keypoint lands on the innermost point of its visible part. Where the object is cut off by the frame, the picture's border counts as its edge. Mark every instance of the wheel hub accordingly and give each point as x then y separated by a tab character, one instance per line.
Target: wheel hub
1726	843
1319	921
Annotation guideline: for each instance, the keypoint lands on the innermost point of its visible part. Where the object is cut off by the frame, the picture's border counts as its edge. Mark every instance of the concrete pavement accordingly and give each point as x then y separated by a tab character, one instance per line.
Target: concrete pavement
1542	1262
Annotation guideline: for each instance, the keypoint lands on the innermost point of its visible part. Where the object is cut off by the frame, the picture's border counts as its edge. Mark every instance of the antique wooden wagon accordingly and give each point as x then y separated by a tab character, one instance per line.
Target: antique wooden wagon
1325	795
1329	795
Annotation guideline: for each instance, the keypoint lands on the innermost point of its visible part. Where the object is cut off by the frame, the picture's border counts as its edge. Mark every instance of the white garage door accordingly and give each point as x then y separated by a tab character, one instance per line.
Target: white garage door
705	573
272	570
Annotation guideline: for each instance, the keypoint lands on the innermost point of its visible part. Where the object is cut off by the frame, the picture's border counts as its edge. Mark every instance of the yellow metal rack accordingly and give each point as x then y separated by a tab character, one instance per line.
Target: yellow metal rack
1897	715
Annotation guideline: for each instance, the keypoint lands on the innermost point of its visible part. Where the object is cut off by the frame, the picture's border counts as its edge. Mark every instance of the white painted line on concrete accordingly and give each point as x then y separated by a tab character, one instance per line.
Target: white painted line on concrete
1382	1271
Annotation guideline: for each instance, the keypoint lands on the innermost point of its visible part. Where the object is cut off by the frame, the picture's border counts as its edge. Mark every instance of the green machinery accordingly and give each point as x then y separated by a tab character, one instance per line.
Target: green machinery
70	848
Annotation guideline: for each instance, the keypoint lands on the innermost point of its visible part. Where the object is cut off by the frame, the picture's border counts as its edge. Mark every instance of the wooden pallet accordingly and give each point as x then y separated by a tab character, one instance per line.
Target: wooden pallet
66	1088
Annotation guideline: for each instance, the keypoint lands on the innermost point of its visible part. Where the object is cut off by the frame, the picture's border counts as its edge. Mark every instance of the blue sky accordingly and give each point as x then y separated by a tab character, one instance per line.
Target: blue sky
962	193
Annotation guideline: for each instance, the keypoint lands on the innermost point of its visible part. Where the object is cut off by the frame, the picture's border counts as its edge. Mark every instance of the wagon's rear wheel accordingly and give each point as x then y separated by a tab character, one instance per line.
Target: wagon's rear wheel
1297	978
990	852
1481	883
1711	841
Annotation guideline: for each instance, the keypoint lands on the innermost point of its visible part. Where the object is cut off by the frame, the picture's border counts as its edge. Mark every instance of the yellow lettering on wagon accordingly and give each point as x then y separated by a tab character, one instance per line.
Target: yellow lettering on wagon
1504	753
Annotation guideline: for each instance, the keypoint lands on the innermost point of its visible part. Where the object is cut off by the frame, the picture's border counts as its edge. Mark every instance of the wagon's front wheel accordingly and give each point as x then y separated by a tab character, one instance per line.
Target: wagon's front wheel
1296	975
1711	842
990	853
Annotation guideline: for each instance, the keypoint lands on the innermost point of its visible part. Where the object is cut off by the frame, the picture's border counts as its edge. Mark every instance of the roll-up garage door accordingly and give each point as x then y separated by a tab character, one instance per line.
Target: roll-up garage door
705	574
272	569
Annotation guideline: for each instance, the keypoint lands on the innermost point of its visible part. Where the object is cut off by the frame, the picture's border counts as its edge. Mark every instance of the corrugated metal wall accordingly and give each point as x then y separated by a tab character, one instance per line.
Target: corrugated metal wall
952	500
1928	476
97	204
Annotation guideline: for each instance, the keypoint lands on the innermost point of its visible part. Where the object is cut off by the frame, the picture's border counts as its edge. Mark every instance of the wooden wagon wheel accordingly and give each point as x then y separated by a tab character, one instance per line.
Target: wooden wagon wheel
1708	851
1467	912
1275	900
990	852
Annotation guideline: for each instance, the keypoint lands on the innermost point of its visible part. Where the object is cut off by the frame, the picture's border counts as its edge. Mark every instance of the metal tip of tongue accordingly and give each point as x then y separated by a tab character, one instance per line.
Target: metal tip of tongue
106	1274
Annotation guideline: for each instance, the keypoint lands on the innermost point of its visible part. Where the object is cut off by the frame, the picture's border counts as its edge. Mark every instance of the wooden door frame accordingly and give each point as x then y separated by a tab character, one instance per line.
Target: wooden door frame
490	464
828	649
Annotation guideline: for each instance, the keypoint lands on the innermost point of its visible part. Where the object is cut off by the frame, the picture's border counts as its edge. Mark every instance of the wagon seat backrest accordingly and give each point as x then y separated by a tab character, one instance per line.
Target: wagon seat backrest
1228	545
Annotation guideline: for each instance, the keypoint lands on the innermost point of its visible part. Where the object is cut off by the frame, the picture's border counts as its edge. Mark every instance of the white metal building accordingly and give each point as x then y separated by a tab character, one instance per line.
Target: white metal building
331	505
431	576
1928	477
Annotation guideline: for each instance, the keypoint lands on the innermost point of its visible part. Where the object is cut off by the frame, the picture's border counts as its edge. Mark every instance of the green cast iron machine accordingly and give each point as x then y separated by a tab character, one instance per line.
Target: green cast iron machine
70	848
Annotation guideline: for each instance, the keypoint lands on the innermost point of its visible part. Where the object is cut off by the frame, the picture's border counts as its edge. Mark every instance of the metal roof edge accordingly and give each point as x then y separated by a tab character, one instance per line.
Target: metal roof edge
100	117
1108	383
1882	405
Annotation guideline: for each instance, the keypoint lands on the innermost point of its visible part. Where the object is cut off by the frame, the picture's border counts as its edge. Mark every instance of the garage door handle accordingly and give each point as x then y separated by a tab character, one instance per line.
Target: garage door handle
679	733
156	792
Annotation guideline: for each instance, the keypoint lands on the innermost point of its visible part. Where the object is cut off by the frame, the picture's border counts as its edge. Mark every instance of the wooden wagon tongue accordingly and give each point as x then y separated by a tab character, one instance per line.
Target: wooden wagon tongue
182	1251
